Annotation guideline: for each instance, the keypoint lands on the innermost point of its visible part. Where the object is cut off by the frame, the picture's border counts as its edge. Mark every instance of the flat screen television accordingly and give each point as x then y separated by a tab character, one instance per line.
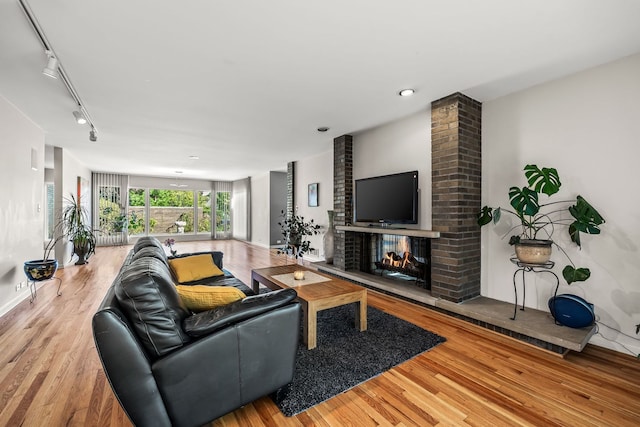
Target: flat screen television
388	199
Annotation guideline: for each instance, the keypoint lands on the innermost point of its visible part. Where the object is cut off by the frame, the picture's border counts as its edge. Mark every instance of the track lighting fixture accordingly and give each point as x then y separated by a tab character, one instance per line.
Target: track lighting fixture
54	69
51	70
79	117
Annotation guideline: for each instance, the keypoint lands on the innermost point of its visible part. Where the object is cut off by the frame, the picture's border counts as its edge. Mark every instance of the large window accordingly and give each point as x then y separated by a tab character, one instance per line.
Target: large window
172	211
140	206
223	214
138	213
204	212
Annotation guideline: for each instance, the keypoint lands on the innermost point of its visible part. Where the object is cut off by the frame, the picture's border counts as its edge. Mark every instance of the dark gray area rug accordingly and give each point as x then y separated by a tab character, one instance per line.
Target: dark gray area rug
346	357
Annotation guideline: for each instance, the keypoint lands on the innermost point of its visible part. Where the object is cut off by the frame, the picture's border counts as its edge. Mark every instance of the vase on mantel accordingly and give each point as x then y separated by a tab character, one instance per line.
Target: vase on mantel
327	240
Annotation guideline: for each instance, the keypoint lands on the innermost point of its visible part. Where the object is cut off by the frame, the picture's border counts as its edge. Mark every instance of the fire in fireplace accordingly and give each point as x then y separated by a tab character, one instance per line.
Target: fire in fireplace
403	257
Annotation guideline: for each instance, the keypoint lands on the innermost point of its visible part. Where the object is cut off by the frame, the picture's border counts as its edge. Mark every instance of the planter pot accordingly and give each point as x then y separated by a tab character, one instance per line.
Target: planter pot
82	251
38	270
533	251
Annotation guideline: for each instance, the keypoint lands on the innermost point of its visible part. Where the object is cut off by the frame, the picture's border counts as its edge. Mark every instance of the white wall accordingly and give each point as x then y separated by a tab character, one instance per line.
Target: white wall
21	195
307	171
585	126
260	215
240	208
277	204
400	146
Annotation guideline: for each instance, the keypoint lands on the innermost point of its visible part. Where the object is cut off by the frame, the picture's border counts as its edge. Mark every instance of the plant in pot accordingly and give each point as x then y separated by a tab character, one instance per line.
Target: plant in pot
75	225
72	226
295	230
537	220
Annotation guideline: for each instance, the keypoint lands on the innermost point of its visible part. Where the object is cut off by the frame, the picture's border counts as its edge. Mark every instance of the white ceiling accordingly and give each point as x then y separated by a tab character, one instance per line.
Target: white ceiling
244	84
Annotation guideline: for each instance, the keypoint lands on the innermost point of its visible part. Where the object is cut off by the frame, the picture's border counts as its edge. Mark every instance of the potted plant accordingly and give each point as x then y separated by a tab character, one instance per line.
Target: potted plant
72	226
538	220
295	229
74	223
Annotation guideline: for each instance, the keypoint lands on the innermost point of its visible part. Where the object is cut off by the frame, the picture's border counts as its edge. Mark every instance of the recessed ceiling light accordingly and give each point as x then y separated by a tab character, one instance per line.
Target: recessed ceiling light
323	129
406	92
179	172
194	157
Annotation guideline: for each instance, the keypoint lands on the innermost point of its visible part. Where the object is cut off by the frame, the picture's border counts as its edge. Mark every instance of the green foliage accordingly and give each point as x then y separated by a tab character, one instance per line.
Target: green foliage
294	230
177	198
73	225
545	180
538	220
136	197
572	274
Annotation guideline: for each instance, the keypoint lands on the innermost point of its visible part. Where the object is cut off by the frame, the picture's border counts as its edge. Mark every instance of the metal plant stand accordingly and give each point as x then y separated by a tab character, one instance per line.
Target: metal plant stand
34	290
535	268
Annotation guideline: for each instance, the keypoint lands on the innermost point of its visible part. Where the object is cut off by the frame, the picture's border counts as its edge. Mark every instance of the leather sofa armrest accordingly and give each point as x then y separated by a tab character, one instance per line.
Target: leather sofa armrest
206	322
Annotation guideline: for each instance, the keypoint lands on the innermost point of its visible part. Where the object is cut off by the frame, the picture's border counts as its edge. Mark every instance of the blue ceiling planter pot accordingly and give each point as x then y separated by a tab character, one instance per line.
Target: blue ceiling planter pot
40	269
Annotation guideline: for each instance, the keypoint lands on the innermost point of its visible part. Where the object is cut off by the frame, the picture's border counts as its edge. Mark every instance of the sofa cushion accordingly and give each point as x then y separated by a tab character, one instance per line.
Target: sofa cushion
216	255
149	299
199	297
192	268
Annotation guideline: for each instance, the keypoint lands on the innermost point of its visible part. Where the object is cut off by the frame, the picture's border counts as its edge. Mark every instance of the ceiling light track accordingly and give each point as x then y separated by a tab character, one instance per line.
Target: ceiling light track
54	65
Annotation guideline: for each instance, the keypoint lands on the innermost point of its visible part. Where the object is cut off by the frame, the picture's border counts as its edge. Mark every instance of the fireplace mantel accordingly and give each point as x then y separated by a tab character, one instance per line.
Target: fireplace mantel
412	232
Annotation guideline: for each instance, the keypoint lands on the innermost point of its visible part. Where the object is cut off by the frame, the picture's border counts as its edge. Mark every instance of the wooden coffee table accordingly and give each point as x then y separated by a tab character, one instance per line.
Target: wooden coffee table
316	292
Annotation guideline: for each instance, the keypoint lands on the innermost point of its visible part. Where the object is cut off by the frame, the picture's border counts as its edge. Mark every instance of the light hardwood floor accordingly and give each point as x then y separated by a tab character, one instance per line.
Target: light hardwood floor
50	374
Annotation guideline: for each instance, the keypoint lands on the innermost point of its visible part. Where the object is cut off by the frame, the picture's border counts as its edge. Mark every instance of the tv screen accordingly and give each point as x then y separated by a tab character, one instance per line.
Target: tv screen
391	199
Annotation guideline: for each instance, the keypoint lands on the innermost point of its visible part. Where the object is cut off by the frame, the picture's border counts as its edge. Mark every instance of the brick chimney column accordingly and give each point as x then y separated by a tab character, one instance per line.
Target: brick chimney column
456	179
344	243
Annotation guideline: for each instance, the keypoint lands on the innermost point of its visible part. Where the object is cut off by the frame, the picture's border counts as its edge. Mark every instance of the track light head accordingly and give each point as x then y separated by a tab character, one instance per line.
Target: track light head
79	117
93	135
51	70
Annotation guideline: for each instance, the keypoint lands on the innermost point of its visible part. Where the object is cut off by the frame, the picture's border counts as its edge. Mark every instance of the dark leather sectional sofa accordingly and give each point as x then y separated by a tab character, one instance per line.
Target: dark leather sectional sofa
170	367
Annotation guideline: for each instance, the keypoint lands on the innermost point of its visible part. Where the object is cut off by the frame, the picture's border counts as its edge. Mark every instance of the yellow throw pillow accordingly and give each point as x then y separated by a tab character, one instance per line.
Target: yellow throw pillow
195	267
202	297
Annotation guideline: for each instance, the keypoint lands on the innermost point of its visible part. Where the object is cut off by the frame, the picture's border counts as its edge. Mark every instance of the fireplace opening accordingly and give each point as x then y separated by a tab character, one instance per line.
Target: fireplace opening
402	258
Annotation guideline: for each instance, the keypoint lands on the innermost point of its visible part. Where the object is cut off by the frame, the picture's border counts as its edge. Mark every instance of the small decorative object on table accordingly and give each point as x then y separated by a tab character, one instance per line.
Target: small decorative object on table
298	275
169	243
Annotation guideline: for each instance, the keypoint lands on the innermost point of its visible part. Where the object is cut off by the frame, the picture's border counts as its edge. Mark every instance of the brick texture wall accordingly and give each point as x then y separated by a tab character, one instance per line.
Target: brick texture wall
291	202
456	179
344	253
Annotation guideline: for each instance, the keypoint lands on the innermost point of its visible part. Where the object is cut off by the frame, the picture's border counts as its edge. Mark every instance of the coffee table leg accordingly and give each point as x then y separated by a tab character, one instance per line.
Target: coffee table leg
255	286
361	313
309	328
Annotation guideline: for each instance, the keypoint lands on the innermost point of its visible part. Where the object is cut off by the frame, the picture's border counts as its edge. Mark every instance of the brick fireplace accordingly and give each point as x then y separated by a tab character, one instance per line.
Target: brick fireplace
456	184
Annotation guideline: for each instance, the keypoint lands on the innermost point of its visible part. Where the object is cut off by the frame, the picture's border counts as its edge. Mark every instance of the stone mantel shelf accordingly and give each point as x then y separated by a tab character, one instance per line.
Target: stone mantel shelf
430	234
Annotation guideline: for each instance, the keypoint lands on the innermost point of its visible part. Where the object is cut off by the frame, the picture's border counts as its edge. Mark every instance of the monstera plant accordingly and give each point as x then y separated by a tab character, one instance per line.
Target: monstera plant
538	218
